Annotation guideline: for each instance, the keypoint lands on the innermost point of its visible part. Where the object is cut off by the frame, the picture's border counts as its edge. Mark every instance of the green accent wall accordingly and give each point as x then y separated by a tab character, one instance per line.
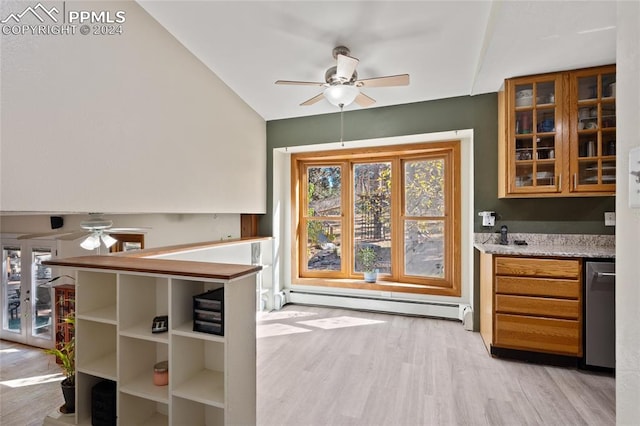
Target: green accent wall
556	215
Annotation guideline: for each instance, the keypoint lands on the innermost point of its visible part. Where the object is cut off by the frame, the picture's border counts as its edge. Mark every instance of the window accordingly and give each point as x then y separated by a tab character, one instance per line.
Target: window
403	201
126	242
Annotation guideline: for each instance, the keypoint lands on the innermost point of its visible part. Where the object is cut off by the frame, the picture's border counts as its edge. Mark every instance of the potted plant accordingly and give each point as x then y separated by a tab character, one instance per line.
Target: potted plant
66	355
368	259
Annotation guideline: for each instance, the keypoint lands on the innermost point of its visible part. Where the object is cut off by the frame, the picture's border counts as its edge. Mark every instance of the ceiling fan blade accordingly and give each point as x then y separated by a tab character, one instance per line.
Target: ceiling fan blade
127	230
346	66
391	80
364	100
316	98
42	234
73	236
300	83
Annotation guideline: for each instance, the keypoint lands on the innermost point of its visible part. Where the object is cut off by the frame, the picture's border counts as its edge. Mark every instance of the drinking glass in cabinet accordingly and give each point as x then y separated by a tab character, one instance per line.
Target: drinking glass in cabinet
587	145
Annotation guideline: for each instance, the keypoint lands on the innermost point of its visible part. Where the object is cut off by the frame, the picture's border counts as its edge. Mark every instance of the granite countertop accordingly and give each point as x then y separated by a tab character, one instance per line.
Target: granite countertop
556	245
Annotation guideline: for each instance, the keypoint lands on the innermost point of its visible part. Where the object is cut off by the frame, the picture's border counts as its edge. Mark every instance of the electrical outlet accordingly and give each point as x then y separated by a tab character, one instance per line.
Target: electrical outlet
609	218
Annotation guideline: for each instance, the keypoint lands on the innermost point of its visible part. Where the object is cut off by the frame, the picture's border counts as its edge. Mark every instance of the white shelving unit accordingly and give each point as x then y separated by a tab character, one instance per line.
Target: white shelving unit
252	251
212	379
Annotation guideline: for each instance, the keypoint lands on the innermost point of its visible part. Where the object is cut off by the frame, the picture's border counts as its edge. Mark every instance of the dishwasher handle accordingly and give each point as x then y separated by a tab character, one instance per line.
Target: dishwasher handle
604	274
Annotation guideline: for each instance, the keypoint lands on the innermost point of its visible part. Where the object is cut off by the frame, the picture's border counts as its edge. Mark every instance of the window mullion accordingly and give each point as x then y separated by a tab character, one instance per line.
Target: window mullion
397	210
347	206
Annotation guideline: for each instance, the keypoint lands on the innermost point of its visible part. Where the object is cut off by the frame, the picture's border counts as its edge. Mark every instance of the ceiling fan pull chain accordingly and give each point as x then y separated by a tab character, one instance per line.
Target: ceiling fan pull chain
341	124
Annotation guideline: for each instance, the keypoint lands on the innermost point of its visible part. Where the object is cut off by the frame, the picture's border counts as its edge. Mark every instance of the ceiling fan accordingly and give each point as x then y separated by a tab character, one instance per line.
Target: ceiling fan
96	231
342	86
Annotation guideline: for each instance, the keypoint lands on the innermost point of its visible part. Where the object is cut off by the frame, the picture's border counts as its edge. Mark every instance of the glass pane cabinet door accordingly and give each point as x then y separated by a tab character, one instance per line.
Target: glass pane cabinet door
534	137
594	132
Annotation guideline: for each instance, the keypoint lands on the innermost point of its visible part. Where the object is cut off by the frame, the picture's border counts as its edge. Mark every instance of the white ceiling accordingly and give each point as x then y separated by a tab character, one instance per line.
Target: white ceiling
449	48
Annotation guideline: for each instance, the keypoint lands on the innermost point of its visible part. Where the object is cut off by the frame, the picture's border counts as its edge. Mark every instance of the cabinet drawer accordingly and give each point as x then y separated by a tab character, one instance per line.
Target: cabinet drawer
547	307
533	267
538	334
527	286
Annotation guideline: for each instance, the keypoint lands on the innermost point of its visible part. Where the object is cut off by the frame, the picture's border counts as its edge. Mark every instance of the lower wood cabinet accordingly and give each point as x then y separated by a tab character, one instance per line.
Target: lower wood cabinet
531	304
538	334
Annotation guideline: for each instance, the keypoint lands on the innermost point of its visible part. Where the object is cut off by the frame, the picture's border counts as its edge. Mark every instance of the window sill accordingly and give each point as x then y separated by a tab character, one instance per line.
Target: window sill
380	285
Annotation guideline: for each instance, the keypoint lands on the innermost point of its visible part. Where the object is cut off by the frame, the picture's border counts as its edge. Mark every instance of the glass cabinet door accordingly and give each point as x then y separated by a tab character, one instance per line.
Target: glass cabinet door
535	135
593	146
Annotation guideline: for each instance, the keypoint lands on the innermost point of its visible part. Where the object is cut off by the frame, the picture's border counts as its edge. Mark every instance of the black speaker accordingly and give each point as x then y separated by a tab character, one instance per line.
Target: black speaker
56	222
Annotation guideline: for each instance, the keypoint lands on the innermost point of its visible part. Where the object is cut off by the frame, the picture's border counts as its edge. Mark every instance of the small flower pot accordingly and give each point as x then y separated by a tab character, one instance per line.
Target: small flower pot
370	276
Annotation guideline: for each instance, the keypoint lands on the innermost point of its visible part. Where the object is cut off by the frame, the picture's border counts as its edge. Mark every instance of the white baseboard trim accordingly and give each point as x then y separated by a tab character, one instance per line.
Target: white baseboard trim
426	308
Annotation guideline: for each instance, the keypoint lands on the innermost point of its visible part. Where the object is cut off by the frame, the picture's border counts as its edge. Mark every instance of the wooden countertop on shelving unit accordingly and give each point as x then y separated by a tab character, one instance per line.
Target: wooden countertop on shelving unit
225	271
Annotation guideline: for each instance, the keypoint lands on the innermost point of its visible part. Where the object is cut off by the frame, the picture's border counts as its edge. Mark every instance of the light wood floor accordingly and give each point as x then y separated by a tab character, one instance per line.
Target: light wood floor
26	395
320	366
410	371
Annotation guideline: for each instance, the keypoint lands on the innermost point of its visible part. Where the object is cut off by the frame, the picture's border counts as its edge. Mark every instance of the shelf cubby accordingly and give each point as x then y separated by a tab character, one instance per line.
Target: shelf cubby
182	292
197	414
96	356
198	370
142	412
96	295
137	358
141	298
84	383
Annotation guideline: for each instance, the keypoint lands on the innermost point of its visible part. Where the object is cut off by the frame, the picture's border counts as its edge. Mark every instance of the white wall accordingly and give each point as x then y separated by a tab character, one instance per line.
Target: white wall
627	219
129	123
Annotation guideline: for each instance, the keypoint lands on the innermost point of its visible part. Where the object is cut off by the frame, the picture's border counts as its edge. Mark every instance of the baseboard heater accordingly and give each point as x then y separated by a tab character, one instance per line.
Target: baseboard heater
407	307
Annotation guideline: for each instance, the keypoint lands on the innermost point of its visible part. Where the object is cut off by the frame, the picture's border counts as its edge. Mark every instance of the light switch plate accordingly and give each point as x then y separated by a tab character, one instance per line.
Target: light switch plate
634	178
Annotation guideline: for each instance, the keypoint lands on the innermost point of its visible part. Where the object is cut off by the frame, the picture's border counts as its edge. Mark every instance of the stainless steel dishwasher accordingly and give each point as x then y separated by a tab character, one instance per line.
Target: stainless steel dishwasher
600	314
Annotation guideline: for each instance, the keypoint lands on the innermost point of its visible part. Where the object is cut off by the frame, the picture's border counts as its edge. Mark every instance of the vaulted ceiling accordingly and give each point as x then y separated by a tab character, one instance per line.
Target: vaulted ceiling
449	48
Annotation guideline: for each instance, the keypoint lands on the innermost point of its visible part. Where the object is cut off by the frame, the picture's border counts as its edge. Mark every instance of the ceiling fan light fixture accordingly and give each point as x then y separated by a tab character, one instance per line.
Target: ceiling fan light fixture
341	94
108	240
92	242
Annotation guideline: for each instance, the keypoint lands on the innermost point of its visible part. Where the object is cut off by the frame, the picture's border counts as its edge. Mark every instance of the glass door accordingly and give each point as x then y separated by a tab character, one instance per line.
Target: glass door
27	293
535	135
593	164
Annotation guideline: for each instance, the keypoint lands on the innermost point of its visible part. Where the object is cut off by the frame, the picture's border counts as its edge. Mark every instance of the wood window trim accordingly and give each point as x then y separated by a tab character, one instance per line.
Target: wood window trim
126	238
452	210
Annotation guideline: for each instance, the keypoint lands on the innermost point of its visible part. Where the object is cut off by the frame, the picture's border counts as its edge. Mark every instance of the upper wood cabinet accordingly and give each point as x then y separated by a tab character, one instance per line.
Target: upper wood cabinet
557	134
